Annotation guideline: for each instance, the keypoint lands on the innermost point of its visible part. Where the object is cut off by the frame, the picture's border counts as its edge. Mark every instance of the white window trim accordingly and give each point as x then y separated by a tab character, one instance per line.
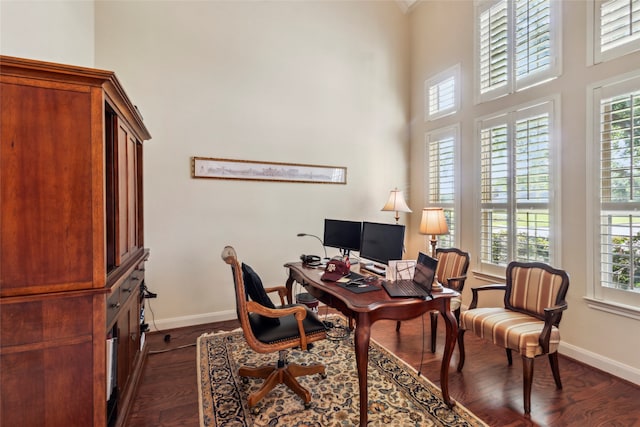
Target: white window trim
512	86
453	130
555	205
616	301
594	55
436	80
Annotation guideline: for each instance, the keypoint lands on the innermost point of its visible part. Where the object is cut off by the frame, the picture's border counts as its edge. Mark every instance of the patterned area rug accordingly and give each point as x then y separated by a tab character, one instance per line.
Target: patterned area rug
397	396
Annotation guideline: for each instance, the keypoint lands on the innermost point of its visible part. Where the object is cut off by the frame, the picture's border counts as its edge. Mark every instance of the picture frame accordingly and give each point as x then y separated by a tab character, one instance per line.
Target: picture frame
230	169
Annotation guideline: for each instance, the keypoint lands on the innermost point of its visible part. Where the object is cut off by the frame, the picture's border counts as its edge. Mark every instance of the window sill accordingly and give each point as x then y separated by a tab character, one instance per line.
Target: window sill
614	308
488	277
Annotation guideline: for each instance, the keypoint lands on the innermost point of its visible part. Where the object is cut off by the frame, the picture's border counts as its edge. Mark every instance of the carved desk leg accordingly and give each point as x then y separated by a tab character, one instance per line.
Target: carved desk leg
452	333
362	338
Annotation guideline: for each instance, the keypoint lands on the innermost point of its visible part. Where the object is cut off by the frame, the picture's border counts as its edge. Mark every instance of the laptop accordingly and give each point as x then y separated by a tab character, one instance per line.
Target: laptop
420	285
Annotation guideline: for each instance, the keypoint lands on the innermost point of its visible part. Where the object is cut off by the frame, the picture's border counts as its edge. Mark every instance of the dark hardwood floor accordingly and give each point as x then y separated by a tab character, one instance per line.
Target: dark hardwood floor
167	393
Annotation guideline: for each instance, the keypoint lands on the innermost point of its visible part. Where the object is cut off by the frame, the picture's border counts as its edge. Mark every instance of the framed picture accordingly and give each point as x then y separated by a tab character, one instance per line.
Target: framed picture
214	168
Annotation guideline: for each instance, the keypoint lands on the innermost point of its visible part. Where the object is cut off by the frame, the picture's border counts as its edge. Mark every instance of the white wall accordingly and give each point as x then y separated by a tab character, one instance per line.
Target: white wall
605	340
312	82
55	31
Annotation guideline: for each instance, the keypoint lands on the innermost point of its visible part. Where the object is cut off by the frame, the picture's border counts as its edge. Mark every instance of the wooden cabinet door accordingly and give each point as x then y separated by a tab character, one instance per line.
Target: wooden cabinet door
46	188
127	205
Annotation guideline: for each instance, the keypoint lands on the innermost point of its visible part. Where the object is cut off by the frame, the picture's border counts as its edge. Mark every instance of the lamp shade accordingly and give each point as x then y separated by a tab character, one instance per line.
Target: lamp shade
396	202
433	222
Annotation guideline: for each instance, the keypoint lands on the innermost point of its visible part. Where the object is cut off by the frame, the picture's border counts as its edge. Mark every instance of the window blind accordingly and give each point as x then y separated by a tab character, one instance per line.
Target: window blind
533	37
532	173
619	23
441	180
620	191
518	45
515	169
494	181
494	47
442	96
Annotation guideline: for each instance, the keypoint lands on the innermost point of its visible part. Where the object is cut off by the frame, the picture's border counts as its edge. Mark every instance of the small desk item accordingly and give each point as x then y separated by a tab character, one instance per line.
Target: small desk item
420	285
369	307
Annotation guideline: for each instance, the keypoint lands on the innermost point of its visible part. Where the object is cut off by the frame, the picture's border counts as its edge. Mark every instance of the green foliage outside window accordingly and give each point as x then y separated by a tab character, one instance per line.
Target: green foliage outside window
626	262
529	248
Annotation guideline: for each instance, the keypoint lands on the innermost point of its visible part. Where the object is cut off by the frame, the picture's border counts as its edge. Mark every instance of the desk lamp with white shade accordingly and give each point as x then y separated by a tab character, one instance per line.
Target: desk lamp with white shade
434	223
396	203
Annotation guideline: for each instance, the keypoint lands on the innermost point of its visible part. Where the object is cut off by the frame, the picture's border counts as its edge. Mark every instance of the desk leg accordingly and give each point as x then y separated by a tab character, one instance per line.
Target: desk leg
452	333
289	286
362	338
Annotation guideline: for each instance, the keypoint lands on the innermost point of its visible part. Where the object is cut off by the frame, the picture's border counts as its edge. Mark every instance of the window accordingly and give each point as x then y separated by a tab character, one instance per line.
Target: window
615	28
615	136
517	45
518	156
441	180
442	94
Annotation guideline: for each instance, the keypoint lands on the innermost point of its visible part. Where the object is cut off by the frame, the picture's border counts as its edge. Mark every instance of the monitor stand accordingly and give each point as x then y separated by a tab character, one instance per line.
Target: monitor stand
345	254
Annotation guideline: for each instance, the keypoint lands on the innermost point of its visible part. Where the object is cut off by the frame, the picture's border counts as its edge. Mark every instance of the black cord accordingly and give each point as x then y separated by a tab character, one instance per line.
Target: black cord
171	349
153	316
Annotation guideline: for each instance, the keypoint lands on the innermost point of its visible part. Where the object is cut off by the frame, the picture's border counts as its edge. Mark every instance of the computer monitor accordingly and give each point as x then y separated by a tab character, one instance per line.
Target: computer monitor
382	242
344	235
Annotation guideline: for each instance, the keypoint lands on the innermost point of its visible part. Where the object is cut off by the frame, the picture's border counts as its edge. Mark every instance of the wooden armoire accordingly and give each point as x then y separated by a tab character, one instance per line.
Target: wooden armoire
72	252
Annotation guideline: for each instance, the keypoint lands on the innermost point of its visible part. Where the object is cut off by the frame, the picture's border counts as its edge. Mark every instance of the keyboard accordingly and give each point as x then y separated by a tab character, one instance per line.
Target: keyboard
353	276
374	269
404	288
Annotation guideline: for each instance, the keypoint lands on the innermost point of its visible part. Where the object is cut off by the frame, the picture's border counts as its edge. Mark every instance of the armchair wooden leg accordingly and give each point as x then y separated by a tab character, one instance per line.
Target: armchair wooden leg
461	348
555	368
527	378
434	329
398	323
509	356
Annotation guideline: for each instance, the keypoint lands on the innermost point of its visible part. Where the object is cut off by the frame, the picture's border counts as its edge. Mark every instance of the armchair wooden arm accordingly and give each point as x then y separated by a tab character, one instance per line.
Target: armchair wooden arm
551	317
474	292
456	282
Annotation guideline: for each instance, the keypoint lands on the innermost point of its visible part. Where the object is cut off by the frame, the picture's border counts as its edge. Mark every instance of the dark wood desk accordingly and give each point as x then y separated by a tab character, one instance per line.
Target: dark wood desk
369	307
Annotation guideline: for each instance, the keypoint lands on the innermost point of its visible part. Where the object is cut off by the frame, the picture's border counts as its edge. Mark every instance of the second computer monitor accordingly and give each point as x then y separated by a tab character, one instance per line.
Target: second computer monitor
382	242
341	234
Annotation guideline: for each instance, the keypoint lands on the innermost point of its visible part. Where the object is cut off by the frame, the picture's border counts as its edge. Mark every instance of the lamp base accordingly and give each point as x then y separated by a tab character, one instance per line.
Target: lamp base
436	286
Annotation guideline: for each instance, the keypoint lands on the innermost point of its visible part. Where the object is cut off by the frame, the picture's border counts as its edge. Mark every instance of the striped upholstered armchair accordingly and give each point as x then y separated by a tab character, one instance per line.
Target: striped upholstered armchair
528	323
451	272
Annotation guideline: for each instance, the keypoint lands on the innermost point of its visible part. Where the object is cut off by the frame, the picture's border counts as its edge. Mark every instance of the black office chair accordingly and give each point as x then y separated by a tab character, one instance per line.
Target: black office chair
269	329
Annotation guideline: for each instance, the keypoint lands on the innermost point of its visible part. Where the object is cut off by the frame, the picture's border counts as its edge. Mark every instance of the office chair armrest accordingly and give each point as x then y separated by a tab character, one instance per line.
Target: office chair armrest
551	318
474	292
281	290
299	311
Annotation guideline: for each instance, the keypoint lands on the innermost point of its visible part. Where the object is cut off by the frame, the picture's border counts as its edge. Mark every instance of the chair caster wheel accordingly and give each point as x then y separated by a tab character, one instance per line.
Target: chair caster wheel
255	410
307	405
323	375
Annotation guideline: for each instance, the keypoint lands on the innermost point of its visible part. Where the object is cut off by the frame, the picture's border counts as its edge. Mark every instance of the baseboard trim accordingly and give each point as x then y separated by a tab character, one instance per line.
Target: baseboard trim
197	319
597	361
